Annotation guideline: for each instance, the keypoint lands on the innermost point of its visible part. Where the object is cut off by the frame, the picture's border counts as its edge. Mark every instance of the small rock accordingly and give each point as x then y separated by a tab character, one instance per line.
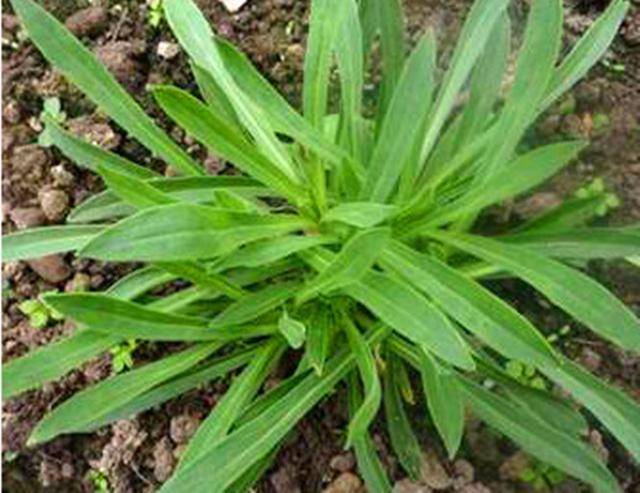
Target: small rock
183	427
573	126
168	50
233	5
512	468
284	481
347	482
590	359
80	282
408	486
118	57
549	127
11	113
631	32
213	164
595	439
164	462
433	473
61	176
54	203
51	268
537	203
98	133
343	462
464	473
29	157
87	21
475	488
27	217
10	23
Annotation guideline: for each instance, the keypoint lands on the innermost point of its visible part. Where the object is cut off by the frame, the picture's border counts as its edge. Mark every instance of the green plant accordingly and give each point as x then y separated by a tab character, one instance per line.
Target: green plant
351	238
39	312
122	355
99	481
542	476
51	108
155	15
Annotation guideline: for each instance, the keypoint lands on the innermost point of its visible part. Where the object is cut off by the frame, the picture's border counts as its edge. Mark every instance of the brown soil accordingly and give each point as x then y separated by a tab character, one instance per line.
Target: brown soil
40	187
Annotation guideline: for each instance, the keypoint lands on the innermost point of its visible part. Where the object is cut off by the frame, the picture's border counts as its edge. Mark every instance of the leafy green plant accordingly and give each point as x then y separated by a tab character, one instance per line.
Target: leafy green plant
155	15
39	312
51	108
350	240
122	355
542	476
99	481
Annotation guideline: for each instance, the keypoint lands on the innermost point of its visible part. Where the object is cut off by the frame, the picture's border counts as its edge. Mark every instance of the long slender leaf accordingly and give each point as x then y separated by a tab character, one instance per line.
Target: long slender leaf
353	262
47	240
82	68
360	214
88	405
579	295
185	232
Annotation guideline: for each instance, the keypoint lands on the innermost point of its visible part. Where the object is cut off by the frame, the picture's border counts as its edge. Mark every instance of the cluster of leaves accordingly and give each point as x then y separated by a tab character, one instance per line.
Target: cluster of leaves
349	240
39	313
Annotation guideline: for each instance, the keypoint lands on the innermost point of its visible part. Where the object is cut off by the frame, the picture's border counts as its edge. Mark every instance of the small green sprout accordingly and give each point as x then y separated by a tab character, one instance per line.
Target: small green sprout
155	14
597	188
614	67
542	476
39	313
525	374
99	481
51	108
122	356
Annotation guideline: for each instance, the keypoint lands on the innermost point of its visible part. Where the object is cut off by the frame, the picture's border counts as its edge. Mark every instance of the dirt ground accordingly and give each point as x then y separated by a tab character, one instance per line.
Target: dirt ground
40	187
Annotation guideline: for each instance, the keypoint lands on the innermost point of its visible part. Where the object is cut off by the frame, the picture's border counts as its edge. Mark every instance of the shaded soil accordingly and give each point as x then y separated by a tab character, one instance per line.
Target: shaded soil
40	187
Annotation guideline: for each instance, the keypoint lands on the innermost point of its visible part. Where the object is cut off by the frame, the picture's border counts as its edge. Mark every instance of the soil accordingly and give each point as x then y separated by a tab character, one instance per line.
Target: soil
40	186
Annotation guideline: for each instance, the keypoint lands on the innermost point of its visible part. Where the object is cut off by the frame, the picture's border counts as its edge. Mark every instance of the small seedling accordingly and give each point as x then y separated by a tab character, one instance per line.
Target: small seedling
542	476
99	481
52	109
155	13
39	313
597	189
122	356
525	374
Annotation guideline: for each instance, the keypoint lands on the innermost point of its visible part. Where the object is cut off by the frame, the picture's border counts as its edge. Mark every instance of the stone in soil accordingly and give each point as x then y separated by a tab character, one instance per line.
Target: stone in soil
183	427
513	468
167	50
163	459
89	21
27	217
343	462
54	204
96	132
408	486
51	268
433	473
284	480
347	482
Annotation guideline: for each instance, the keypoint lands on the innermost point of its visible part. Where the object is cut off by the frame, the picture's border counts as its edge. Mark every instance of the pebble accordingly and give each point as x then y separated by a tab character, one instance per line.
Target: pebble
29	157
163	460
233	5
595	439
27	217
343	462
284	481
55	204
408	486
89	21
590	359
51	268
347	482
464	473
433	472
512	468
11	113
183	427
168	50
117	56
98	133
61	176
80	282
475	488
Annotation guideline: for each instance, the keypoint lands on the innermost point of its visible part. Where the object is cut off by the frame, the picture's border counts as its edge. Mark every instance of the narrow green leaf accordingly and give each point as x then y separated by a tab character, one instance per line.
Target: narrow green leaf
369	465
366	413
586	52
133	191
294	331
236	399
393	48
38	242
618	412
88	405
90	156
403	439
267	251
215	96
353	262
478	310
360	214
445	401
193	189
196	37
283	117
255	304
237	452
580	296
185	232
584	243
179	385
320	331
472	41
398	134
223	139
540	439
84	69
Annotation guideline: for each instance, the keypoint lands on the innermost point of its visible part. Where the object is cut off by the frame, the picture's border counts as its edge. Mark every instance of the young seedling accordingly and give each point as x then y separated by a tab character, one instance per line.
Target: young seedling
362	224
39	313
